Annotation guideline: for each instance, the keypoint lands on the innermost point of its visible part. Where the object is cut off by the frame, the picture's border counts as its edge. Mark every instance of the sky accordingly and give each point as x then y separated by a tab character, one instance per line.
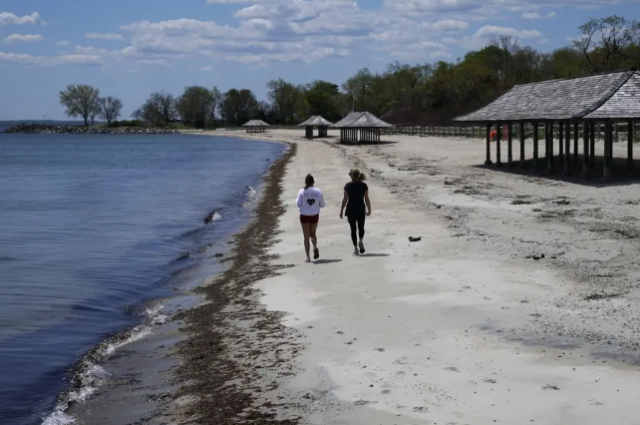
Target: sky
129	49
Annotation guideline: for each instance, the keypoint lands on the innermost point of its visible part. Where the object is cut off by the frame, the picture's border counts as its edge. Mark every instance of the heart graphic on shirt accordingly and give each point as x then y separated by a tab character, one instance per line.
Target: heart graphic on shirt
311	201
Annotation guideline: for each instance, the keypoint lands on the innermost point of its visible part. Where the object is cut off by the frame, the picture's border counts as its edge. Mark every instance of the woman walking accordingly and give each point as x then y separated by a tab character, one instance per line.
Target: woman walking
310	200
356	198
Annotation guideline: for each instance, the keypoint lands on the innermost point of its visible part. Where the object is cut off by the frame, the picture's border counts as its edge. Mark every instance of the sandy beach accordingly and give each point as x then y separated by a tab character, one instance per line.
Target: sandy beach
518	305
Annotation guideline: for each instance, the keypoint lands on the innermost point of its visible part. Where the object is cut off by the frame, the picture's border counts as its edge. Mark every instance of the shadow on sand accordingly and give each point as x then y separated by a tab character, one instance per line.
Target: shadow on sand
620	175
371	254
326	261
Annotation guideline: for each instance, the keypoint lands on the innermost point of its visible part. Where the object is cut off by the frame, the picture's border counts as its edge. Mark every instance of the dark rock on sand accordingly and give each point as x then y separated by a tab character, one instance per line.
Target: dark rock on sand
73	129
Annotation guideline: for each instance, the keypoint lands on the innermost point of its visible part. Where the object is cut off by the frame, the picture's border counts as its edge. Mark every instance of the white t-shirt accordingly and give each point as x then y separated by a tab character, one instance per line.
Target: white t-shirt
310	201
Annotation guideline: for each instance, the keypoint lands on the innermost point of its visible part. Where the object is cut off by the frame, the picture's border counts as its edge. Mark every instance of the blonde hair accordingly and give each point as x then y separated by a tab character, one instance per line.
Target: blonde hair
357	175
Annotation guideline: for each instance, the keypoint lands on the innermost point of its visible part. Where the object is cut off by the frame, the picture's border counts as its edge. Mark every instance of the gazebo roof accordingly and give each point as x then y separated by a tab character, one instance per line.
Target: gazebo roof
315	121
256	123
361	120
604	96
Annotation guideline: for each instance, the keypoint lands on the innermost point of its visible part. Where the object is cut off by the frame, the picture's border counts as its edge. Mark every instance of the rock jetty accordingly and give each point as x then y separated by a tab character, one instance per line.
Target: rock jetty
73	129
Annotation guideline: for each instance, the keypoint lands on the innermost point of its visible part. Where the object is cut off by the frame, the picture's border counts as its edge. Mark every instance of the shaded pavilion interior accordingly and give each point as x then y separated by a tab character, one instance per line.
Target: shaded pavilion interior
316	121
360	127
255	126
573	109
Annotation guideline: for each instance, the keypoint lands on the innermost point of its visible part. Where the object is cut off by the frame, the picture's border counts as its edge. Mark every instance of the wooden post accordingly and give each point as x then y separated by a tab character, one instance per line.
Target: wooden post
608	148
585	150
550	164
488	160
536	136
498	143
592	148
630	135
521	137
509	145
561	141
567	148
575	142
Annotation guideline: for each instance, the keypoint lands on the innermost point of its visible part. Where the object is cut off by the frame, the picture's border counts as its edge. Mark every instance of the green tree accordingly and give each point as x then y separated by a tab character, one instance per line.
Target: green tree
359	88
196	106
284	97
80	101
109	108
323	98
239	106
159	109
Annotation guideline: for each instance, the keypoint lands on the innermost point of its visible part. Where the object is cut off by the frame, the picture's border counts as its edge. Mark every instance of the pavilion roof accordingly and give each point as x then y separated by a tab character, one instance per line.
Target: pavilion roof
315	121
361	120
603	96
255	123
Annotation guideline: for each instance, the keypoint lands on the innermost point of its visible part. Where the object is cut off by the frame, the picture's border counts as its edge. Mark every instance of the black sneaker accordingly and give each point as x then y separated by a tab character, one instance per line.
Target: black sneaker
361	248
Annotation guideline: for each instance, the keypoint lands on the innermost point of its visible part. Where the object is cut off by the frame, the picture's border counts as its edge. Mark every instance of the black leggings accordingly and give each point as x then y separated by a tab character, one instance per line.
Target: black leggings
359	221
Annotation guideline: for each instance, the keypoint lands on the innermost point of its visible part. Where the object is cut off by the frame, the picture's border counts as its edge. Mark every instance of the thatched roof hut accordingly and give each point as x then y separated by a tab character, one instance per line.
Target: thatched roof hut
367	124
565	104
315	121
256	126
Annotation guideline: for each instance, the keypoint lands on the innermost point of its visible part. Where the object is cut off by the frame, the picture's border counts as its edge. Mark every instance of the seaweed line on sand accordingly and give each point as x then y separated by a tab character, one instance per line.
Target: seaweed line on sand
236	349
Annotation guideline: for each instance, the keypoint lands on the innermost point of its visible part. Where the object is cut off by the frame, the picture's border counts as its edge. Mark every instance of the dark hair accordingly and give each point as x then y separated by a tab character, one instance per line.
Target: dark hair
357	175
308	181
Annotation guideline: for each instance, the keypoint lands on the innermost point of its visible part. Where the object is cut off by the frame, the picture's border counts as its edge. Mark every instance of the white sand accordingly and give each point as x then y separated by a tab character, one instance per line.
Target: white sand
461	327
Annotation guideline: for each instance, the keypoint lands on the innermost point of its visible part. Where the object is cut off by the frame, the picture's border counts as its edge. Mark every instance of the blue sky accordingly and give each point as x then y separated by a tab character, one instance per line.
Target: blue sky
132	48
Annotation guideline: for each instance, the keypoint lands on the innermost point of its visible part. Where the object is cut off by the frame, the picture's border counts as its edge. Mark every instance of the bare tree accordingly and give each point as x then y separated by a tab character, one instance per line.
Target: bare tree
110	108
604	42
80	101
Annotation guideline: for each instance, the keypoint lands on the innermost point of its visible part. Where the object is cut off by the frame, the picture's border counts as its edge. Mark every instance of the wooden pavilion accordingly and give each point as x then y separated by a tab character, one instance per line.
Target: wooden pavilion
363	124
313	122
565	104
256	126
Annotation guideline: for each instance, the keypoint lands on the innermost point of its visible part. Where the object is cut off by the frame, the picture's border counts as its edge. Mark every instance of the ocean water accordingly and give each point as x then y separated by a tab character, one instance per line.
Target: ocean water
91	227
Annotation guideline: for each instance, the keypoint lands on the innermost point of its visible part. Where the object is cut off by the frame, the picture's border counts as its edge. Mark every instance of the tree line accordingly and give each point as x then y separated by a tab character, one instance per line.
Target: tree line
420	94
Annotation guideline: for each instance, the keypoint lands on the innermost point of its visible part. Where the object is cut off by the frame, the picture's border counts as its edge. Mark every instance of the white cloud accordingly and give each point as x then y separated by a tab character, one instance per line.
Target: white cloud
536	15
298	31
62	43
488	32
23	38
206	68
7	18
49	60
103	36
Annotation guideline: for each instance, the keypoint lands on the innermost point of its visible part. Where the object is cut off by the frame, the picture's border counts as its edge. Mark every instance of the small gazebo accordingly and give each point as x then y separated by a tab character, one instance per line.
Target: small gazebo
256	126
364	124
315	121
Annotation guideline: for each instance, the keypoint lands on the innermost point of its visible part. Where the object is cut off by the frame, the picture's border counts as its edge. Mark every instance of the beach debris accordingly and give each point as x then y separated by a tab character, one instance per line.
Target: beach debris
535	257
551	387
211	217
601	296
415	238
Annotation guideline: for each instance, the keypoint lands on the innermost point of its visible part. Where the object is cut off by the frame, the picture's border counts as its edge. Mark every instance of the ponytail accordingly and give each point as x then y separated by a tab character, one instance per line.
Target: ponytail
308	181
357	175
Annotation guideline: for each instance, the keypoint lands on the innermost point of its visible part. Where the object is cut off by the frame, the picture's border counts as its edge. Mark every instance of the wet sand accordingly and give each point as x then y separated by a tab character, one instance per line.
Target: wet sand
519	305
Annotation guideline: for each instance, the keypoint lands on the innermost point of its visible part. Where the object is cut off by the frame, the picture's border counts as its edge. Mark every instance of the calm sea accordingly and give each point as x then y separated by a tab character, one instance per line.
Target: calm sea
91	226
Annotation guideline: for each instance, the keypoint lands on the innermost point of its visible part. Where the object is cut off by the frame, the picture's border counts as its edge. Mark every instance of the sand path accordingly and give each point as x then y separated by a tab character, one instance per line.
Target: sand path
454	329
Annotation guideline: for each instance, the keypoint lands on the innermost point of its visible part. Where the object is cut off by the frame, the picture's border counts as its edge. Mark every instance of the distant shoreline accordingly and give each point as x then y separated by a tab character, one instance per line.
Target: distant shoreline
75	129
